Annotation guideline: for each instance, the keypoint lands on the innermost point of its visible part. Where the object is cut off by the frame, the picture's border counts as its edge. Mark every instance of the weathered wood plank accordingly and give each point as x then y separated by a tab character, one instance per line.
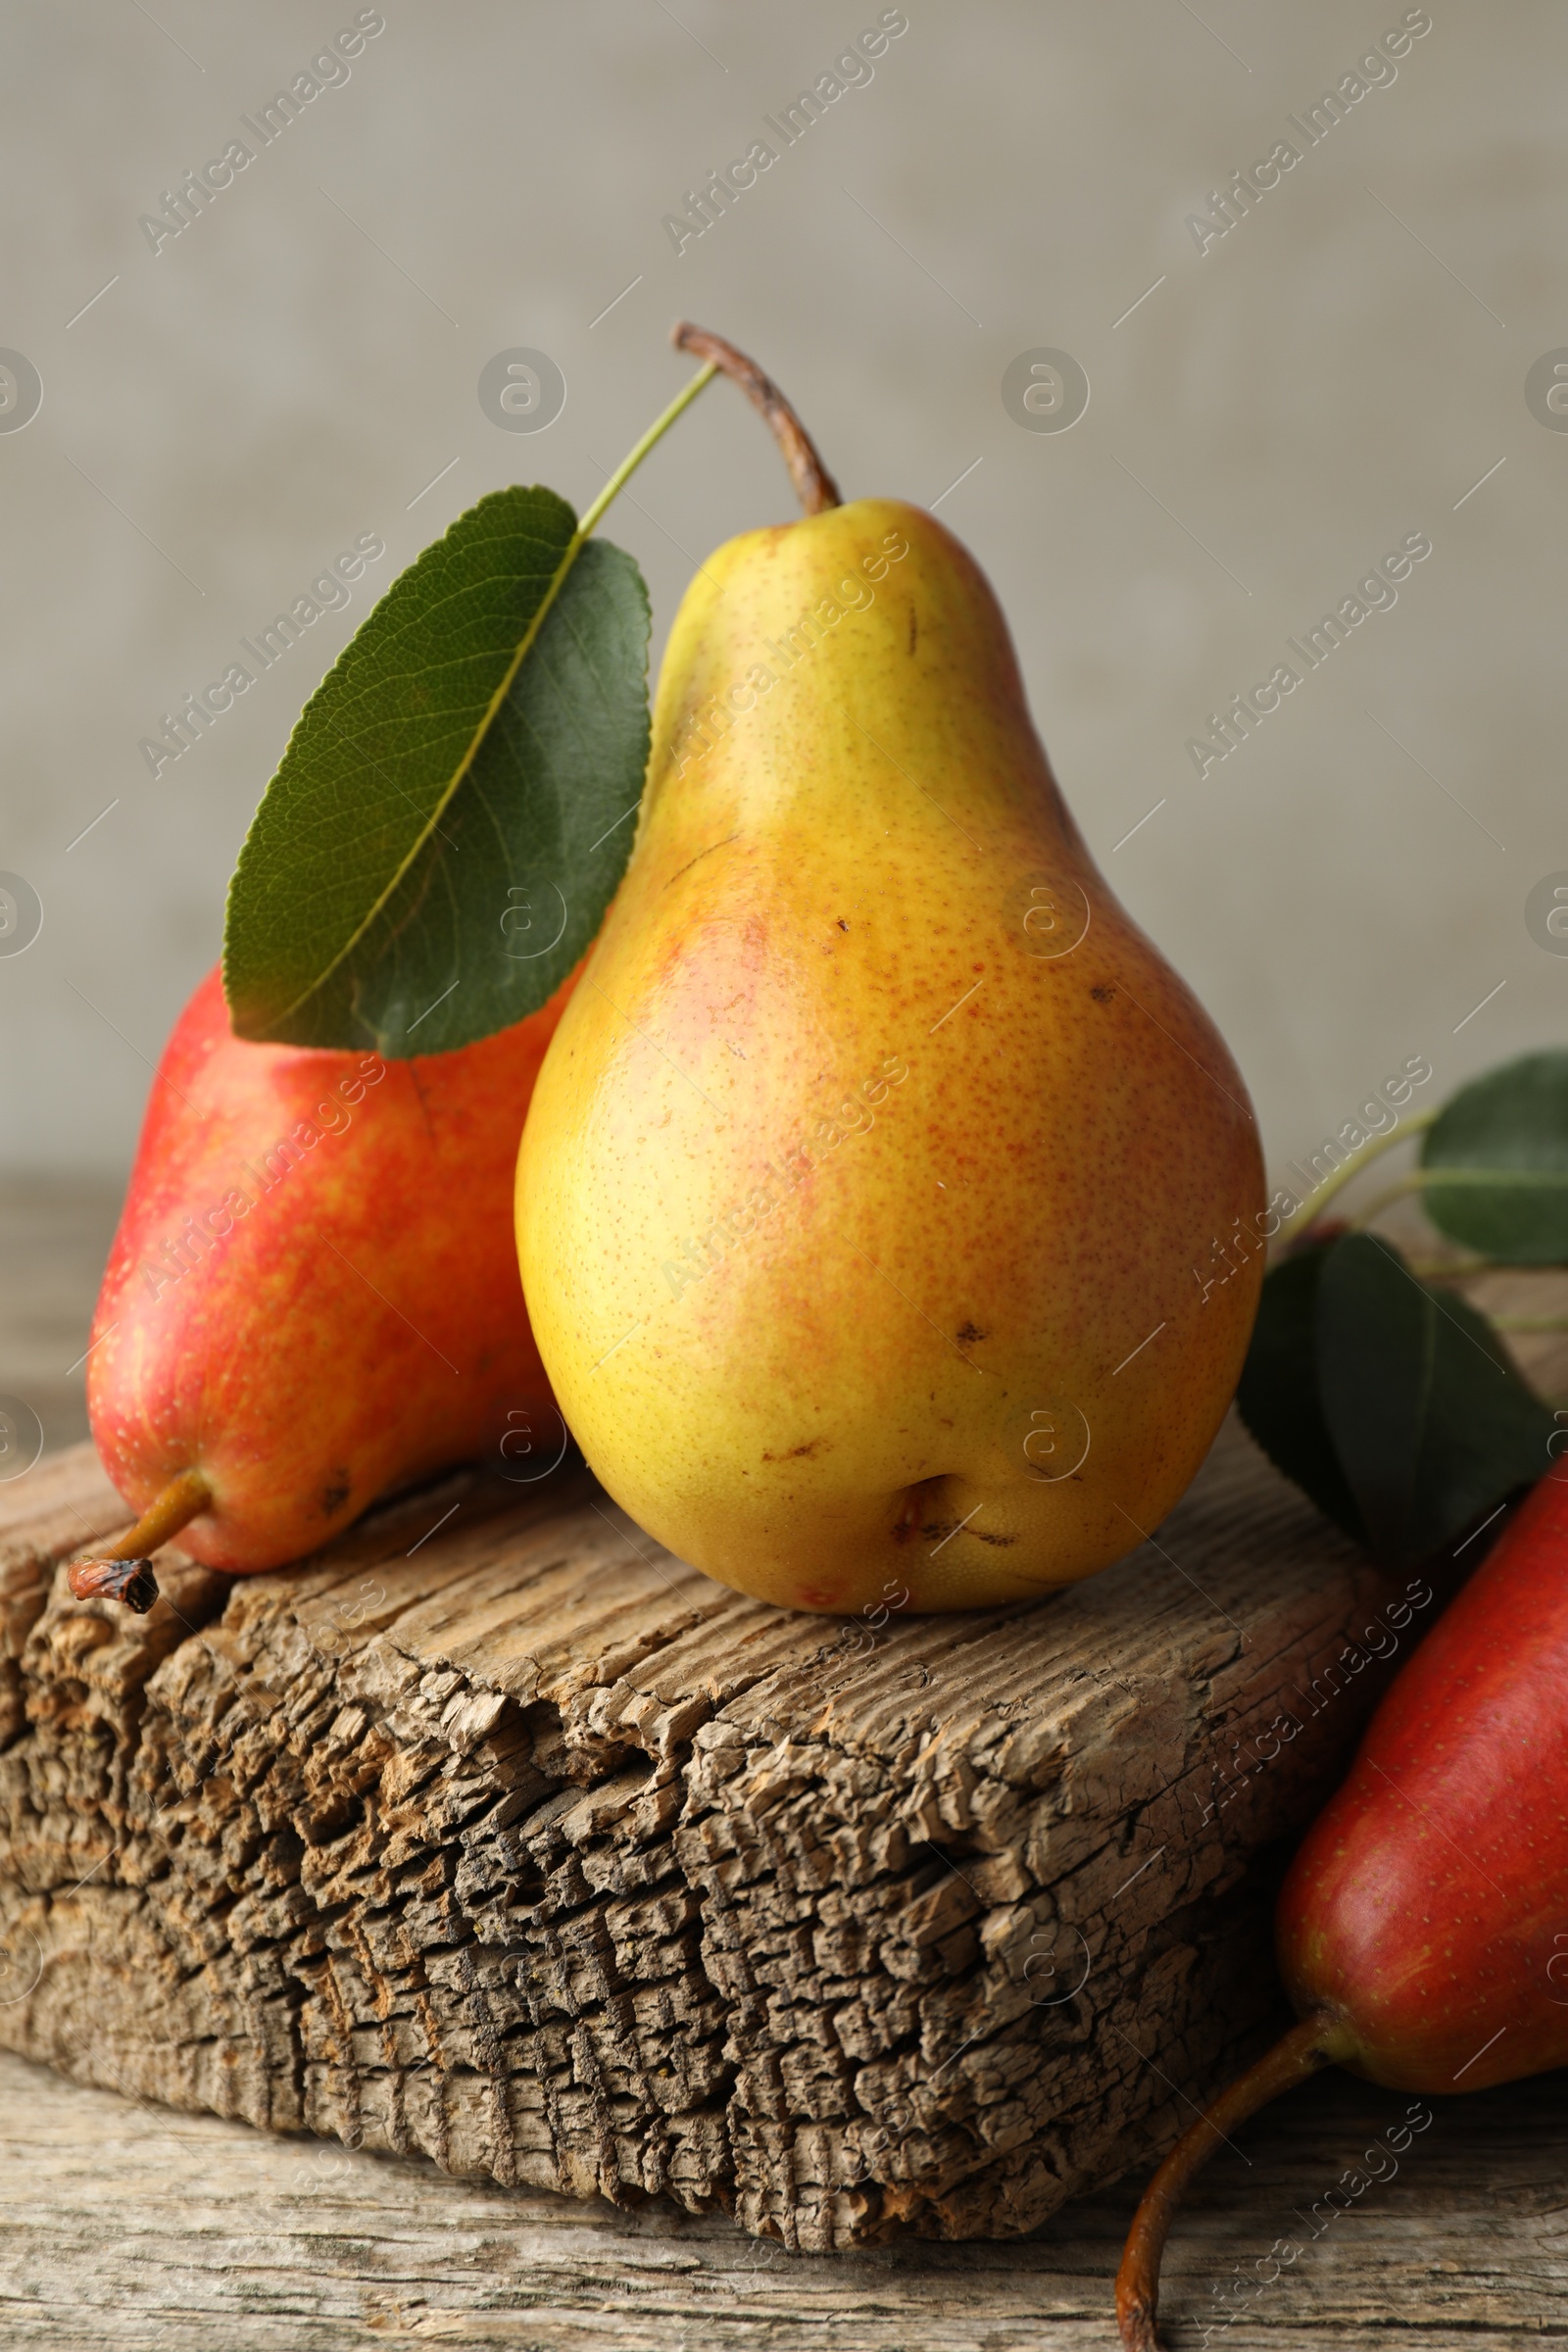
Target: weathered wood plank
129	2226
521	1844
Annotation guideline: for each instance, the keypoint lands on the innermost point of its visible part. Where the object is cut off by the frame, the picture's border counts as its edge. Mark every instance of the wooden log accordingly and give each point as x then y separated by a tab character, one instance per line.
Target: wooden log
498	1834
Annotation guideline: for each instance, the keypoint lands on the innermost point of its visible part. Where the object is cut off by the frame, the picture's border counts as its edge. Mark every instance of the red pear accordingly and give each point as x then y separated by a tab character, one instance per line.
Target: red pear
1423	1928
313	1291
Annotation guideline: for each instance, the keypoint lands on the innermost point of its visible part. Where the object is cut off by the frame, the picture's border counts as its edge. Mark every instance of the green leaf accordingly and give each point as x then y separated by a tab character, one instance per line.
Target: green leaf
1501	1147
1278	1396
1429	1421
455	807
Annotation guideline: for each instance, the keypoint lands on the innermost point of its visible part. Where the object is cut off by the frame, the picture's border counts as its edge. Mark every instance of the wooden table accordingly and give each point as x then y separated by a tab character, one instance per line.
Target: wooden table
130	2226
133	2225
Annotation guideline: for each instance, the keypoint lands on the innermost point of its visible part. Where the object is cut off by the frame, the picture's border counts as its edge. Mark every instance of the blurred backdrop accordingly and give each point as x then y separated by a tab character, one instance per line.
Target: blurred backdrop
1184	321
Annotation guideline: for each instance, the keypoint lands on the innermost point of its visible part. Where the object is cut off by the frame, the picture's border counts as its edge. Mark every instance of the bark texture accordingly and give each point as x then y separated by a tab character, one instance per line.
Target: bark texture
498	1834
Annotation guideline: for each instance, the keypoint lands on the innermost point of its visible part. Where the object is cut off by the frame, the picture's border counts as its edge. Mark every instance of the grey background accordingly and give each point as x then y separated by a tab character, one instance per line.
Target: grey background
1277	414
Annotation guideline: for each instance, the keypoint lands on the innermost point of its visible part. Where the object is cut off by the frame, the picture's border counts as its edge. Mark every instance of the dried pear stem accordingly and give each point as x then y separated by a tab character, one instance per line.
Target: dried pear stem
124	1572
1302	2052
814	486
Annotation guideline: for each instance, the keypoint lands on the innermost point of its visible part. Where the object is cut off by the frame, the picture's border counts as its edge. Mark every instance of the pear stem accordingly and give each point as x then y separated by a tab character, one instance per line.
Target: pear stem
814	486
1303	2051
124	1571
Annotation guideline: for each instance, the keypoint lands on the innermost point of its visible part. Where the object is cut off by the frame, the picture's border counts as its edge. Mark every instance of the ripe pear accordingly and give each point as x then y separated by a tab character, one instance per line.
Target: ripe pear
1420	1927
313	1293
1421	1922
886	1207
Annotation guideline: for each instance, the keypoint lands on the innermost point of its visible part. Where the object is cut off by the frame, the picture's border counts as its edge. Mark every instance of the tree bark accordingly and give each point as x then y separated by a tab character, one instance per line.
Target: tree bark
497	1833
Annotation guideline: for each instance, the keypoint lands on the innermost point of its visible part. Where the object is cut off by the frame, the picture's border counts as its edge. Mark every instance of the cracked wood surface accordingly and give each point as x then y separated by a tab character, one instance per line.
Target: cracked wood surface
498	1834
128	2226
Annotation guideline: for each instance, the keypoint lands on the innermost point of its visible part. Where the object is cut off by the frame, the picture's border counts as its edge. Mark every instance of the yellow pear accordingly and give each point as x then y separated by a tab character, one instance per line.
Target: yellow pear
868	1201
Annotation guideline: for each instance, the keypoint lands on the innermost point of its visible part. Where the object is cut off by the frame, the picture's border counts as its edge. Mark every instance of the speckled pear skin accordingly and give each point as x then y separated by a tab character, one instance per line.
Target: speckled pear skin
877	1139
313	1293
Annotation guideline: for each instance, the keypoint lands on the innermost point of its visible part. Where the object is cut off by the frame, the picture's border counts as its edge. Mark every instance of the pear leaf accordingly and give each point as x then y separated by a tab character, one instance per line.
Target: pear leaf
455	805
1496	1163
1278	1395
1429	1421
